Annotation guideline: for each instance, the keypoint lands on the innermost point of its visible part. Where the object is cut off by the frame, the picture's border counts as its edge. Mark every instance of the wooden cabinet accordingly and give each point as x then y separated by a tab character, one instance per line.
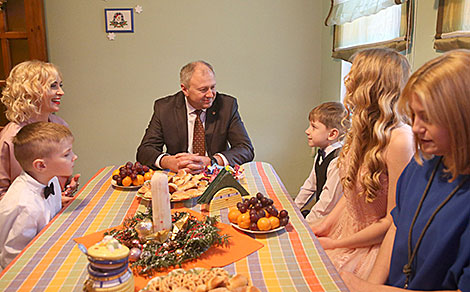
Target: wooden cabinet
22	37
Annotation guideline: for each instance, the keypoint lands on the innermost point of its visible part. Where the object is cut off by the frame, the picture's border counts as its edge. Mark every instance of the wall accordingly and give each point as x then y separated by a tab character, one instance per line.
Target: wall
266	53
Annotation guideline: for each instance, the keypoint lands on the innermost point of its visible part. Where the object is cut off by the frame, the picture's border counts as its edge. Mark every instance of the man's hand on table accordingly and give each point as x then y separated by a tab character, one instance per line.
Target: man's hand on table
191	163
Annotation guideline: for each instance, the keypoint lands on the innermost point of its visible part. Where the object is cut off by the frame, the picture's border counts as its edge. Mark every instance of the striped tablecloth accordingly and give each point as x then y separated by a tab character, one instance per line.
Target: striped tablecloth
291	260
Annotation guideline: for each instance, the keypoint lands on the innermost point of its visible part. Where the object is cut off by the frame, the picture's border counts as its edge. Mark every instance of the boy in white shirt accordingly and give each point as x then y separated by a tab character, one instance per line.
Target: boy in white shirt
44	151
328	124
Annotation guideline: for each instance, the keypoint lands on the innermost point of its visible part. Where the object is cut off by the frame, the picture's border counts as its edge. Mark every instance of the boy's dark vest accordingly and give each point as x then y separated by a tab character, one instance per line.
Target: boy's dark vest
321	168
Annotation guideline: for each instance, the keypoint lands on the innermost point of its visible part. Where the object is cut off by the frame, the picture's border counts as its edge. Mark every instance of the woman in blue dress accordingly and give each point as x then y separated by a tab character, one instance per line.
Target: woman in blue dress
428	246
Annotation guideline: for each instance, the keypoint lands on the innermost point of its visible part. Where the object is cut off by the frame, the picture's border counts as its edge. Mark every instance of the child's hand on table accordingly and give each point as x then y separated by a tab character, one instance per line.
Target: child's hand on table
71	186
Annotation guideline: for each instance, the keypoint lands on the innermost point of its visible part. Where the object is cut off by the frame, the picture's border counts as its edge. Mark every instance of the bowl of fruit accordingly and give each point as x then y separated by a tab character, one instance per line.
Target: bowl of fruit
258	215
131	176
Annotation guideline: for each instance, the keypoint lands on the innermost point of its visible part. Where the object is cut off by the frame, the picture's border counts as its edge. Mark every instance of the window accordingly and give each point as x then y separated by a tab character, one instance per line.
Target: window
345	68
453	25
360	24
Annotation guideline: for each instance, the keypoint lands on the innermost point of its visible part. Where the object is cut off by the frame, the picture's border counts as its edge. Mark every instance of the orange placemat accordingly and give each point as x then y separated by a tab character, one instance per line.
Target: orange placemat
239	246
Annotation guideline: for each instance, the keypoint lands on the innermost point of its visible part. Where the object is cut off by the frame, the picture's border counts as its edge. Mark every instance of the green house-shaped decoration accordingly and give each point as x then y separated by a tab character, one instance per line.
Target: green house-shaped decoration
223	180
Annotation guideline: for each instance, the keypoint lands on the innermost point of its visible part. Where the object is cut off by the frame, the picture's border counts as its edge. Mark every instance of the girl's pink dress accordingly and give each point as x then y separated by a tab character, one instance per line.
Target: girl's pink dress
357	215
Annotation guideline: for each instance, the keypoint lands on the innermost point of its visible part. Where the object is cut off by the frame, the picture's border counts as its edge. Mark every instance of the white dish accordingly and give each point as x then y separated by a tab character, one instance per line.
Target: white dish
257	232
129	188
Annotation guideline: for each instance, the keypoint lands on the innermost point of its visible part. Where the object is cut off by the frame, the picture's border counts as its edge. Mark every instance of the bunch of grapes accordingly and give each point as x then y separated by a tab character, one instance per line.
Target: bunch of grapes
261	208
132	173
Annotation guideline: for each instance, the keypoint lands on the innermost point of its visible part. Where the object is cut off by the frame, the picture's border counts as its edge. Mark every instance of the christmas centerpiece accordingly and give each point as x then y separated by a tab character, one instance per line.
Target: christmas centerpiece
159	240
188	240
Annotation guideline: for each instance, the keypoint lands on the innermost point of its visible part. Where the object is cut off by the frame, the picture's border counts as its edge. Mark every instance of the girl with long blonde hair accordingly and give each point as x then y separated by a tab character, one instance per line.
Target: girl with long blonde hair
377	148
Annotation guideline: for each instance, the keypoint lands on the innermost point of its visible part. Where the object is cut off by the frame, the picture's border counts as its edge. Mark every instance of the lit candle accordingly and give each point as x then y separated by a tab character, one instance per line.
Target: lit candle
161	208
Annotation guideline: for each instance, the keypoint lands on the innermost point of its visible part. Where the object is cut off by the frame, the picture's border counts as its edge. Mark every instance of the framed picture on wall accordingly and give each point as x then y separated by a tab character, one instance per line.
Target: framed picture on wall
119	19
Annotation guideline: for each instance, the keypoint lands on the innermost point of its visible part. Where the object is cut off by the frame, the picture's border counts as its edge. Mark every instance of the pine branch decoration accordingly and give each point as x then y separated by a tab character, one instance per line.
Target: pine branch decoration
195	238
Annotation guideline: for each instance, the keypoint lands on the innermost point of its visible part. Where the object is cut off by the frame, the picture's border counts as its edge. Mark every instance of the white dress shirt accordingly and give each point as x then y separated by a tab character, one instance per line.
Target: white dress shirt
191	118
332	190
24	212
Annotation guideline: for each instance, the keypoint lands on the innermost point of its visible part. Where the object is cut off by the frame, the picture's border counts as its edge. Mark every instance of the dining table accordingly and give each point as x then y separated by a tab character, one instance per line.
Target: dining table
290	259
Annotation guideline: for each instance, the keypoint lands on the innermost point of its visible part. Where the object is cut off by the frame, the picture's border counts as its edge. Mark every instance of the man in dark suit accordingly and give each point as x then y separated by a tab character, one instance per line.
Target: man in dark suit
193	116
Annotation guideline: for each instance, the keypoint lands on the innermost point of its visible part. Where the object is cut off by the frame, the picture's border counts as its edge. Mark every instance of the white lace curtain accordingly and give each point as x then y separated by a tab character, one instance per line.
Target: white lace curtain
362	24
342	11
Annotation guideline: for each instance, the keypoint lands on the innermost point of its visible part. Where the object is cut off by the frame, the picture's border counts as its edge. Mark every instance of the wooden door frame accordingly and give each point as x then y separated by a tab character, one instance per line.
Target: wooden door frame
35	34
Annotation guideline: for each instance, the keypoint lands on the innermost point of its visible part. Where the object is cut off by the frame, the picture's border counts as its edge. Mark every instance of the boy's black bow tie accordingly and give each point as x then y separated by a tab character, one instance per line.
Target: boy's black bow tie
49	190
322	153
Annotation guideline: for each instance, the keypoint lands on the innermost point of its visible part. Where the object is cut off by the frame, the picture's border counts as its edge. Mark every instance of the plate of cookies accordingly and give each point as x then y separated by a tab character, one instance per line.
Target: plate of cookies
182	186
199	279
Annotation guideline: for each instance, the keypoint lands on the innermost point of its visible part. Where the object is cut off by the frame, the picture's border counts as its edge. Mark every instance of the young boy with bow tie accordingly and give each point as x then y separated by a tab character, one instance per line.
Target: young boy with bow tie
327	125
44	151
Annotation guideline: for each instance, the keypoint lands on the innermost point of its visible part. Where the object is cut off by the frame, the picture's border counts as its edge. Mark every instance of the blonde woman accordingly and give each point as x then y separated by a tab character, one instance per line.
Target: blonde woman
33	92
377	148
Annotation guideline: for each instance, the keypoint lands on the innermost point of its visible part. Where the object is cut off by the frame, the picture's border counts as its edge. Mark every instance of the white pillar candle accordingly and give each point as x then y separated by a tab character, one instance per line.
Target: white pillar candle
161	208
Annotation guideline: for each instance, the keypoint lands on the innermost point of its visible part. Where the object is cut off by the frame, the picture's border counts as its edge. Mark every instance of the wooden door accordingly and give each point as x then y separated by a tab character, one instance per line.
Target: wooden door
22	37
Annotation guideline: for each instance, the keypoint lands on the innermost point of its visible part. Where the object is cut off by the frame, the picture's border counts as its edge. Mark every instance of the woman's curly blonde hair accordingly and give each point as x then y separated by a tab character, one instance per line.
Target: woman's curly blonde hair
25	86
373	87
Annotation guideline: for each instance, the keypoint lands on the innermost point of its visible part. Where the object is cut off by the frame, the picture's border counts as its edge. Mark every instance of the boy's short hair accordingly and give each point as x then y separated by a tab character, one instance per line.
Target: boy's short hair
332	115
38	140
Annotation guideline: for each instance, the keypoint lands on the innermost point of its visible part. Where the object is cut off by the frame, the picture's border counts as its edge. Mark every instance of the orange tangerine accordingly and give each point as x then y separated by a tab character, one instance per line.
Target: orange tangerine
244	220
139	180
264	224
116	172
233	215
275	223
147	176
127	181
